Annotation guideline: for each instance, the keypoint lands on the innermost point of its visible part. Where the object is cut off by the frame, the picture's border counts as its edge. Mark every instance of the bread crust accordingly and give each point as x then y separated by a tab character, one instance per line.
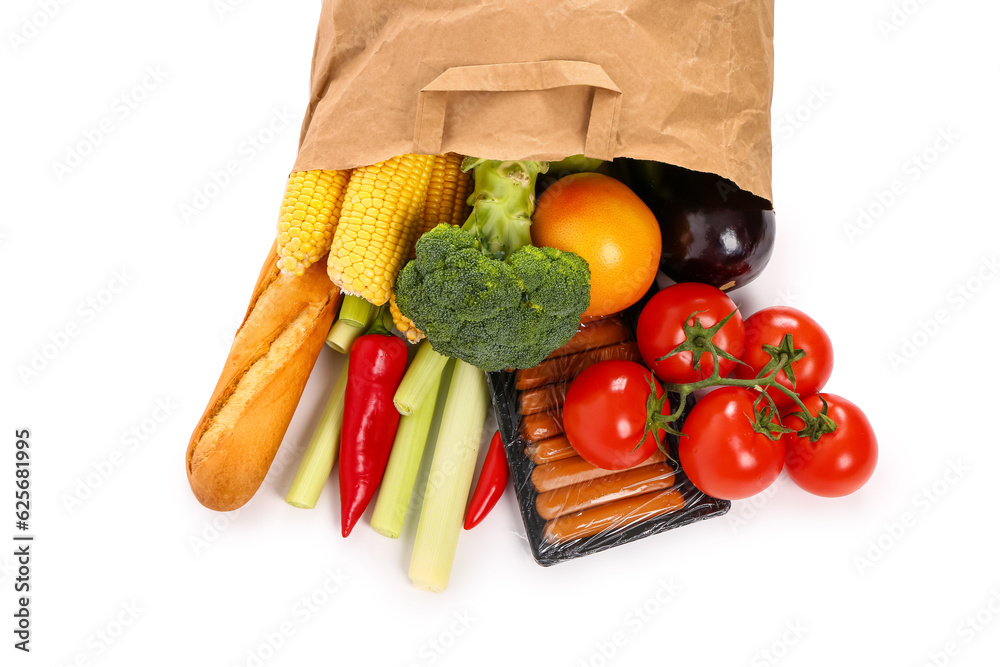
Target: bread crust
274	351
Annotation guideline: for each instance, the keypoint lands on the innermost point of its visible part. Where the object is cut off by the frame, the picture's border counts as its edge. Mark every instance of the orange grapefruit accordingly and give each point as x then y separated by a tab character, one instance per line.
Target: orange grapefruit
603	221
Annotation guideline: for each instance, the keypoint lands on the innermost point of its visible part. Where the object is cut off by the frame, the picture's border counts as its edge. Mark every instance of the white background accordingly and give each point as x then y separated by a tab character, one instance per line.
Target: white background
857	586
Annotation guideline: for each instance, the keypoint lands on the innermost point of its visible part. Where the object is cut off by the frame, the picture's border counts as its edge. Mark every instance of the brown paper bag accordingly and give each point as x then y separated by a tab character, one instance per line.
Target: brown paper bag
686	82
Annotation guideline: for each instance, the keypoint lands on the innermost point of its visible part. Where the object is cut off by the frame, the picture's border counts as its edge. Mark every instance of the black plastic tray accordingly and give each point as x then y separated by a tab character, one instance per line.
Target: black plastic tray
697	505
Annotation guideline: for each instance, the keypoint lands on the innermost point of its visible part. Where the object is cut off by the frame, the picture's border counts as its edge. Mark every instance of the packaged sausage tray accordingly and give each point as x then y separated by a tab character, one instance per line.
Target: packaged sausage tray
596	509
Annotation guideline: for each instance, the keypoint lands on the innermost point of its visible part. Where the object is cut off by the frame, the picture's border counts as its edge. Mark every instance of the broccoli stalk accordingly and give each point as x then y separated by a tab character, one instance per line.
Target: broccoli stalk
503	202
482	293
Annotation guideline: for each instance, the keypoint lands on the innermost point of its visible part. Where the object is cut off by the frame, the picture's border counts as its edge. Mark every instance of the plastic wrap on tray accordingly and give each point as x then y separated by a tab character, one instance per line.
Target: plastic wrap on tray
570	507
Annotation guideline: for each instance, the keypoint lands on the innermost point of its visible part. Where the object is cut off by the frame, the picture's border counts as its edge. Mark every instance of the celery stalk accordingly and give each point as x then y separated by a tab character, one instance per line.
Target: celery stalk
357	311
342	335
316	464
450	478
401	473
426	369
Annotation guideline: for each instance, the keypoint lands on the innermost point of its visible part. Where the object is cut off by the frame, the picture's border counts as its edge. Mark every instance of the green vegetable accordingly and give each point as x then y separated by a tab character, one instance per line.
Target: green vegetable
355	317
574	164
357	311
482	293
321	452
401	472
342	335
425	370
450	478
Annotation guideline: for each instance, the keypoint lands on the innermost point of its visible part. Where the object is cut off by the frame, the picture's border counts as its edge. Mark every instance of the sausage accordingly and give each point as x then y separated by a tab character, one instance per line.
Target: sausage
553	449
566	368
593	335
575	470
533	401
542	426
613	515
626	484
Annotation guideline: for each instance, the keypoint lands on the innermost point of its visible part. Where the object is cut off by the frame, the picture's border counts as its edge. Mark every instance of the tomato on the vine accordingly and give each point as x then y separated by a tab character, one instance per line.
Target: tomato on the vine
661	328
769	327
721	452
838	463
605	414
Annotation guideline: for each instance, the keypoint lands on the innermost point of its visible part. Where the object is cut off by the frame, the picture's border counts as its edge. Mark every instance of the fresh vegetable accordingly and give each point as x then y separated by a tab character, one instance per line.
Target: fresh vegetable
605	414
447	193
342	336
381	217
575	164
446	203
679	325
725	451
625	484
355	316
566	368
403	323
449	478
831	464
492	482
725	447
713	232
377	363
482	293
401	472
356	312
601	220
809	352
308	217
422	375
321	452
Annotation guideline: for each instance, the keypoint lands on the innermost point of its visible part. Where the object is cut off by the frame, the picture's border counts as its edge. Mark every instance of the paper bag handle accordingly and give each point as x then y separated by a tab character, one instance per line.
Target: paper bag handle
602	129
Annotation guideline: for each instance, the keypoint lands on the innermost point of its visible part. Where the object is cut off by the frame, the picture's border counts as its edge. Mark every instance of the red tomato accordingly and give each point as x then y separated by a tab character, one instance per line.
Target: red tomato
721	452
605	414
768	327
839	463
661	329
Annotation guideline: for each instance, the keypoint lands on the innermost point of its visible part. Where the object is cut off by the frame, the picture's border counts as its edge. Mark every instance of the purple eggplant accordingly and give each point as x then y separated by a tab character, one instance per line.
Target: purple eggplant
713	232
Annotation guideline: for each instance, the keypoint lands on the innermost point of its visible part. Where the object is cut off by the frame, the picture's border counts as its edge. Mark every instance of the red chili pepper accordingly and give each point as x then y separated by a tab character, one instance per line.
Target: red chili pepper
377	364
492	482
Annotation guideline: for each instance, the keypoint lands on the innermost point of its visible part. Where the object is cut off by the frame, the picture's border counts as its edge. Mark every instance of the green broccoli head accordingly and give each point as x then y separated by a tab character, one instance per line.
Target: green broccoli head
491	313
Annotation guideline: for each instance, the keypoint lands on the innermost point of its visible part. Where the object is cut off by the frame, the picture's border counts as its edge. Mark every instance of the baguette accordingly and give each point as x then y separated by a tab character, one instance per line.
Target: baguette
269	363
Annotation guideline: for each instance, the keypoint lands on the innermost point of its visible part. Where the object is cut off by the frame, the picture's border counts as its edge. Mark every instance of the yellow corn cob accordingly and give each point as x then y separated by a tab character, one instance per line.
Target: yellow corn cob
309	214
403	323
378	225
447	193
